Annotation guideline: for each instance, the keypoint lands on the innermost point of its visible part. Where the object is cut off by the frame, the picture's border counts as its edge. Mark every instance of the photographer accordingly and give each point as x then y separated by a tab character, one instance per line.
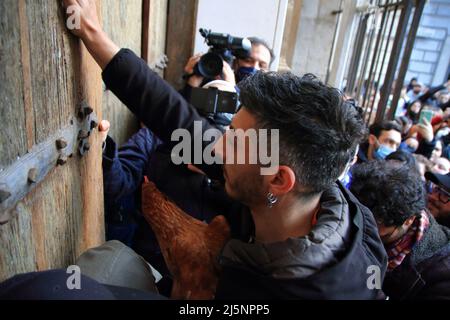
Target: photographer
196	80
259	57
304	231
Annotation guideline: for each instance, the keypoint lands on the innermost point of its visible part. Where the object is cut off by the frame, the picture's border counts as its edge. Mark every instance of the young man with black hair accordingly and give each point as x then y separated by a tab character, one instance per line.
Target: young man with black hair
384	138
417	246
299	232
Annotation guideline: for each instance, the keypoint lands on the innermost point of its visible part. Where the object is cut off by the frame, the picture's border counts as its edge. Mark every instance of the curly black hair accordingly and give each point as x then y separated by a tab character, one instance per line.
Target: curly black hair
403	156
318	129
393	190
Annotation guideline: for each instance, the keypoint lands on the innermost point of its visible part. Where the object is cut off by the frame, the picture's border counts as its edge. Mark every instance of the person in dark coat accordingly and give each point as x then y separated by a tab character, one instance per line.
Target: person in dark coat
298	232
246	260
124	169
417	246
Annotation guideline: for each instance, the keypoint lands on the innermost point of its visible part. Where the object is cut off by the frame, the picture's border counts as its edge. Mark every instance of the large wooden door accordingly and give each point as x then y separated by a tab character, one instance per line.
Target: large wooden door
122	21
139	25
51	197
51	96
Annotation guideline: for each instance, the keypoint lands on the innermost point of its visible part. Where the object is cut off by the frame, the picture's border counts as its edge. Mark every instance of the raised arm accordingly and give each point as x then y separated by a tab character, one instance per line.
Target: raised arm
153	101
124	168
427	95
99	45
160	107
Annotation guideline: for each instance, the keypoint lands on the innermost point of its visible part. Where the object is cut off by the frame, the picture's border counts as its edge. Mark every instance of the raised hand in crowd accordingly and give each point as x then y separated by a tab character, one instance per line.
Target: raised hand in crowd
103	129
99	45
228	73
425	130
194	80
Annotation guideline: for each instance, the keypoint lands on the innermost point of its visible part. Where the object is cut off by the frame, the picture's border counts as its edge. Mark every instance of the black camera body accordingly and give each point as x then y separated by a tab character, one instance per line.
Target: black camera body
223	47
212	101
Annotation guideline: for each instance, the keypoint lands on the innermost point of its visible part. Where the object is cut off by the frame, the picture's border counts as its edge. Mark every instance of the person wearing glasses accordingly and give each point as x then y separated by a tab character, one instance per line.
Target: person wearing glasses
418	247
439	198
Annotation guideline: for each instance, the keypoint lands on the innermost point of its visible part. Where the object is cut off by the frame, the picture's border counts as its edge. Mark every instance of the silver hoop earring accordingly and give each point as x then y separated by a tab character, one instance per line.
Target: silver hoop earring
271	199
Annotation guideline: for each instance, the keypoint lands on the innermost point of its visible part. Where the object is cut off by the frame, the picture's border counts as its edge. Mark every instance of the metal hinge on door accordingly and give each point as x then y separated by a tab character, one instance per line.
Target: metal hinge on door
21	177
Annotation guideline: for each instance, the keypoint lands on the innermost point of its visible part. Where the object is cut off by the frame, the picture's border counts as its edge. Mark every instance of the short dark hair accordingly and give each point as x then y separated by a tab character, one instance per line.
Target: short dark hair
403	156
258	41
392	190
378	127
318	129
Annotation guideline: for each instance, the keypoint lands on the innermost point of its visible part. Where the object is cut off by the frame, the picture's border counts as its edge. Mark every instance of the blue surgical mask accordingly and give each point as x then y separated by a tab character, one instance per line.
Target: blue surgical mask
383	151
244	72
405	147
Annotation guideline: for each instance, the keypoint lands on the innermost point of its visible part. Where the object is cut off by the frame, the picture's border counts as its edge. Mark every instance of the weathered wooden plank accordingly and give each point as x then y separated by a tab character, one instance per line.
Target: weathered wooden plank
13	141
63	215
145	29
16	241
122	20
26	72
52	70
45	232
58	241
25	174
91	164
154	31
180	39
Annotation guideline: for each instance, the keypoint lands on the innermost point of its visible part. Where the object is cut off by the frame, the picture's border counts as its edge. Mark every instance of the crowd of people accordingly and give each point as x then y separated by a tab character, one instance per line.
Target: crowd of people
419	140
344	198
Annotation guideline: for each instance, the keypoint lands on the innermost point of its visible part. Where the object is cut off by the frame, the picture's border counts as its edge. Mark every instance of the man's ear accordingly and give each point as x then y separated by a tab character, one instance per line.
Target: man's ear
281	182
372	139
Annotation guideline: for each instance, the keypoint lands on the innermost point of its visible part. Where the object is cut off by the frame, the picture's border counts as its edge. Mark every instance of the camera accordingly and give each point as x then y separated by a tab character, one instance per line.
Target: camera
212	101
223	47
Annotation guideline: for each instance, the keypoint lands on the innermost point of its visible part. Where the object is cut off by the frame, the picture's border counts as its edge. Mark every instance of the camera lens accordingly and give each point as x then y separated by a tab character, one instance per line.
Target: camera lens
210	65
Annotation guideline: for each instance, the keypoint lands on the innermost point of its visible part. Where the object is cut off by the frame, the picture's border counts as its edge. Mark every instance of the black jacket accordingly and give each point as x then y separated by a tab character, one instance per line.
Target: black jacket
425	272
332	262
123	174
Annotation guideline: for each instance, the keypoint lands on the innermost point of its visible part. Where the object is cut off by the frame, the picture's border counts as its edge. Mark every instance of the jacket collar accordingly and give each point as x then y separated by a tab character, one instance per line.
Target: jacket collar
299	257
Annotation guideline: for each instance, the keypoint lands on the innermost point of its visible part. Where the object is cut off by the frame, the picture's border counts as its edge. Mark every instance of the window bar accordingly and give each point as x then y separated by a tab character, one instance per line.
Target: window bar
384	50
406	57
393	61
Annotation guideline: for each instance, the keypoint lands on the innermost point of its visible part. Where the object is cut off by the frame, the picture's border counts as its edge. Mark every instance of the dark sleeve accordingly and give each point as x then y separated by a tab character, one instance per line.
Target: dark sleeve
186	92
435	272
123	169
427	95
159	106
426	148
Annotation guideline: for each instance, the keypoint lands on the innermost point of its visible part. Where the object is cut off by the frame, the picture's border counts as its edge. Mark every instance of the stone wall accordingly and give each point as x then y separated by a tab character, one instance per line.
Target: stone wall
431	54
